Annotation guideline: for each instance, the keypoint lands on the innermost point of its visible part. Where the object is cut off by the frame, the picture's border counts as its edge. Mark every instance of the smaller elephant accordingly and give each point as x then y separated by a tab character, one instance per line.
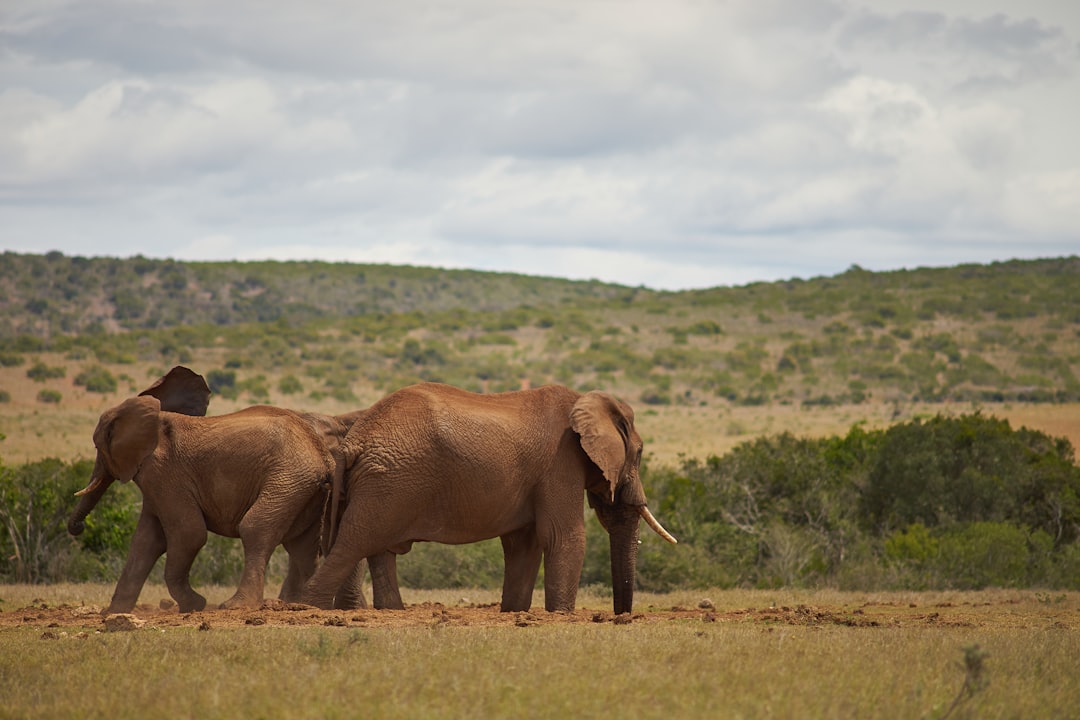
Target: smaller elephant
261	474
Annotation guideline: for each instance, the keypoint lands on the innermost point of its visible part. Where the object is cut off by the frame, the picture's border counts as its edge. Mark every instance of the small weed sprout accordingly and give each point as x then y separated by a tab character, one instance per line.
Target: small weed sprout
974	678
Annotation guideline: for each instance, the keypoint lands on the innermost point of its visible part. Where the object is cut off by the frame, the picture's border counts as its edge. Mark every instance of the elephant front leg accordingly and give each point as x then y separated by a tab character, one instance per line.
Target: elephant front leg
147	545
563	560
521	562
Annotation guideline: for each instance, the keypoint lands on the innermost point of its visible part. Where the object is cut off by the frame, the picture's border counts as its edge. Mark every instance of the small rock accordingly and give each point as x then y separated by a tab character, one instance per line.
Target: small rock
335	621
50	635
706	604
167	604
256	620
122	622
204	625
623	619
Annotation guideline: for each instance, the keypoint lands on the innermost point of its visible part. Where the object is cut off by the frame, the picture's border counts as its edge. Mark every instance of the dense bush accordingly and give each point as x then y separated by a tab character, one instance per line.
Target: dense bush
960	502
35	500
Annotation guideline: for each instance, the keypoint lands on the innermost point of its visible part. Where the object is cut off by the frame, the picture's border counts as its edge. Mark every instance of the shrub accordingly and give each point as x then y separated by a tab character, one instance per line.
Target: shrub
97	379
40	372
257	388
49	396
656	397
433	565
985	554
290	385
5	396
413	352
222	382
945	471
35	498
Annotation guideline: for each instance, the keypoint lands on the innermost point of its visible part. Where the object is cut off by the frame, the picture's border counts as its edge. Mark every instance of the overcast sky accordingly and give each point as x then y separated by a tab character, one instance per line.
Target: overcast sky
673	144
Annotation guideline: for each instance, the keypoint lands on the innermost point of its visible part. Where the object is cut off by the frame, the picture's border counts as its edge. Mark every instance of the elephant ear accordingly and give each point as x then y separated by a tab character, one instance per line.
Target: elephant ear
181	390
603	426
127	435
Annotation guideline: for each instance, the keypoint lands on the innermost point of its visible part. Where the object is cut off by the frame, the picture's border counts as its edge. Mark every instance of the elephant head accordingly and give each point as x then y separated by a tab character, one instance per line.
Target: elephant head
128	433
608	436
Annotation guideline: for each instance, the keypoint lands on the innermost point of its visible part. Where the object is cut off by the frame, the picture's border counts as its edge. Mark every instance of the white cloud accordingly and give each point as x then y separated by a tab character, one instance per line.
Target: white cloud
675	145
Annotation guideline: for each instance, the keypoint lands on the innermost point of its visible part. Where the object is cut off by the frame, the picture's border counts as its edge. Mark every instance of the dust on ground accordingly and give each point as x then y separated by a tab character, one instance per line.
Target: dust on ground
1018	611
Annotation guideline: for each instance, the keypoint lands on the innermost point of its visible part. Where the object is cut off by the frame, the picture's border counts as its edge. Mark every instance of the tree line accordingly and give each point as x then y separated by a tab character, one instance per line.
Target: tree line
933	503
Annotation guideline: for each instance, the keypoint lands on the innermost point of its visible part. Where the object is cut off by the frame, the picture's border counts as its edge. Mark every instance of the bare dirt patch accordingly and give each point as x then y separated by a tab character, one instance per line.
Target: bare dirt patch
996	612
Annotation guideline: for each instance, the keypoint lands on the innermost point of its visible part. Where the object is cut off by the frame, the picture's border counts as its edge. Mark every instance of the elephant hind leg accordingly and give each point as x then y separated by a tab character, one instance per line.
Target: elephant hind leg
302	551
259	542
521	558
183	545
350	596
385	594
334	570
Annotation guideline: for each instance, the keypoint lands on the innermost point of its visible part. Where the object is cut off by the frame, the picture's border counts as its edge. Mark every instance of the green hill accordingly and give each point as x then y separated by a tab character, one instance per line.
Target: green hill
987	333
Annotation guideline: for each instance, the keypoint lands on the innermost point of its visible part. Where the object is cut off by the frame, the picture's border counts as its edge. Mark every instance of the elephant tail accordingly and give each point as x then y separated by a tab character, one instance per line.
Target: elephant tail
337	486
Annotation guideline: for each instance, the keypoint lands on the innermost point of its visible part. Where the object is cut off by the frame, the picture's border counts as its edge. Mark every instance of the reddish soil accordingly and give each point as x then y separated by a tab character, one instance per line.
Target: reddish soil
276	613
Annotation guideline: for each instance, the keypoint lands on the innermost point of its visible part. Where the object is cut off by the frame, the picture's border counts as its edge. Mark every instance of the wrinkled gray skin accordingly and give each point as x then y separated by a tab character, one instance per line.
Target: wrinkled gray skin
260	474
434	463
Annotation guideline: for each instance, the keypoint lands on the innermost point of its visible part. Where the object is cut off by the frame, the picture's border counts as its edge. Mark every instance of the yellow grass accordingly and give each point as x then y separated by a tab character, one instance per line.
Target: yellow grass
689	668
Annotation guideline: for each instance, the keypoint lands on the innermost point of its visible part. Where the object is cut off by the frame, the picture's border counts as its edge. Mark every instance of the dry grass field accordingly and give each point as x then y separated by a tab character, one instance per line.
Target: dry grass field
737	654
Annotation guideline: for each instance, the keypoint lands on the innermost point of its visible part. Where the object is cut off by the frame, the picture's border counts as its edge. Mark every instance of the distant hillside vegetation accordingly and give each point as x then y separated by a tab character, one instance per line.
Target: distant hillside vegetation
51	294
983	333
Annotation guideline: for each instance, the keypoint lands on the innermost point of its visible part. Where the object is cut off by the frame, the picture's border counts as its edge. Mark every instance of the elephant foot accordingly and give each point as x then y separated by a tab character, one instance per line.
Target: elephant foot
241	601
514	607
323	601
196	603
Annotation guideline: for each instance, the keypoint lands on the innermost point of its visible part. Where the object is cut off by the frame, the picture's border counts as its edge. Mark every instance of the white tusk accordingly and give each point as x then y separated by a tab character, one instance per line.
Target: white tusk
94	483
643	510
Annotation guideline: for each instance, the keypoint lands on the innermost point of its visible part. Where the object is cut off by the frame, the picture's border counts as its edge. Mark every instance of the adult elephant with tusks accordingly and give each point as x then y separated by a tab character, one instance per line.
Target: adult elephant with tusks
431	462
261	474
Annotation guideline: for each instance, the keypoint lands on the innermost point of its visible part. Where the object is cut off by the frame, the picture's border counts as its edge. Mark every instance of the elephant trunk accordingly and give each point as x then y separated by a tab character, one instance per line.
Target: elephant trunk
623	535
89	496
